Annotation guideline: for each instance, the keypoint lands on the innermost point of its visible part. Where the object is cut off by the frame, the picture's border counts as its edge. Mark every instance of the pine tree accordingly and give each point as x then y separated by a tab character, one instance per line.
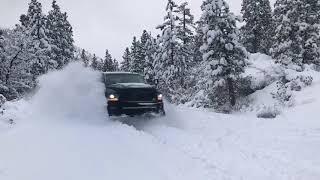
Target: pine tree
186	28
115	65
94	64
137	56
15	58
2	60
1	48
61	36
1	40
84	58
143	51
185	24
288	45
34	10
151	50
224	56
257	31
100	63
197	43
144	39
108	63
125	64
34	23
310	29
170	62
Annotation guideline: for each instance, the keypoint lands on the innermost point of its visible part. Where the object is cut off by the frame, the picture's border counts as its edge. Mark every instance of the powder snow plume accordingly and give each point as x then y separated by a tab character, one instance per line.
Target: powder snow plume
73	93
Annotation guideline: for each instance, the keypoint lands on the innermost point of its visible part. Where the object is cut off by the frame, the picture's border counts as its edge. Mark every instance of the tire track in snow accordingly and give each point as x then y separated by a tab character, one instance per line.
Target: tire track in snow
189	144
216	153
171	132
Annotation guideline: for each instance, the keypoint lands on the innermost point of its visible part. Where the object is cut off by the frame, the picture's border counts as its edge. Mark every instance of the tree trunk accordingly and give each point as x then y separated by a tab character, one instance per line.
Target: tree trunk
232	95
11	65
256	43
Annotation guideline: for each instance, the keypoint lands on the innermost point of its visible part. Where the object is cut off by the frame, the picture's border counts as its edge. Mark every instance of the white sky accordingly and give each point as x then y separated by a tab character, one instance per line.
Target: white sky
105	24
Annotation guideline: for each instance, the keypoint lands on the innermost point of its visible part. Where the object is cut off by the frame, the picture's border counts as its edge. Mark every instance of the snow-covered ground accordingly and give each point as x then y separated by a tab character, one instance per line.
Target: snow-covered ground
63	133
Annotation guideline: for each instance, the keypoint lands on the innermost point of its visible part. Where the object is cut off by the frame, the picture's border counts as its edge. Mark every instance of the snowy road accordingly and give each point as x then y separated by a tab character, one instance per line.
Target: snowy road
63	135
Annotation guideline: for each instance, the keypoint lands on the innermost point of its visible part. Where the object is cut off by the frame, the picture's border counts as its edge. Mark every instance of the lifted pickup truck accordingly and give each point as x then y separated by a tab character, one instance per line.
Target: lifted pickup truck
128	94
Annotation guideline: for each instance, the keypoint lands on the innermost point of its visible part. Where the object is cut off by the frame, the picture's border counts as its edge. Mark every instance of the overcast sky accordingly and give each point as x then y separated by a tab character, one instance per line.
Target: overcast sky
105	24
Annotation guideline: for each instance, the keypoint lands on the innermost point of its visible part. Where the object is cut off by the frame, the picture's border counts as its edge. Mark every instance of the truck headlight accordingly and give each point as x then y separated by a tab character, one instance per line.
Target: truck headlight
160	97
113	97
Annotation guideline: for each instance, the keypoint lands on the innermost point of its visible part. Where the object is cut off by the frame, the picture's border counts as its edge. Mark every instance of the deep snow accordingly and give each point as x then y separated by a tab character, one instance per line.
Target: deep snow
63	133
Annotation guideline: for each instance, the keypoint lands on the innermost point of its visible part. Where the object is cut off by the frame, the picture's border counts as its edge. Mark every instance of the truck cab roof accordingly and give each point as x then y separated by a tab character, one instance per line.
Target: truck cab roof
120	72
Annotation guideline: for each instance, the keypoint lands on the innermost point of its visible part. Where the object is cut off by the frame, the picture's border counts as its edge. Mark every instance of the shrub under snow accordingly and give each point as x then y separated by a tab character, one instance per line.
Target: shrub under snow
268	112
2	100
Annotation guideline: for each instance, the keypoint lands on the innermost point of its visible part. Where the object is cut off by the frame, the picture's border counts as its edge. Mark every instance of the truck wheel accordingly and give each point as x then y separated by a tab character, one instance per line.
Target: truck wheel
162	112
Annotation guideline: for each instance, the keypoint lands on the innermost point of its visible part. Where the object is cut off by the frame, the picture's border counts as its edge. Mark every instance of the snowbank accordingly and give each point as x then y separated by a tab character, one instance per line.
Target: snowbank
262	69
265	76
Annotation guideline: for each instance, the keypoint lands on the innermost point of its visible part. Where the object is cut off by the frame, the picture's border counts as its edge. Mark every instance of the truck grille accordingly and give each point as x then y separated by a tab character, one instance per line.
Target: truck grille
146	95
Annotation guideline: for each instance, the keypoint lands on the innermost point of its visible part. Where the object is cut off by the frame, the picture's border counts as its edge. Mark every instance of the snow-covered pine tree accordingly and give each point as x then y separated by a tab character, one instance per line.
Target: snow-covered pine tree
1	40
288	43
61	36
15	58
3	64
185	23
108	62
310	29
34	23
84	58
151	50
115	65
224	57
186	29
77	54
143	40
136	56
169	62
197	43
125	64
94	63
100	63
3	68
1	48
257	31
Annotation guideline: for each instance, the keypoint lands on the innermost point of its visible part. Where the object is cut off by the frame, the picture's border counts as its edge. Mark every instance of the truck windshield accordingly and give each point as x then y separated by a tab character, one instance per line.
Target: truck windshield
123	78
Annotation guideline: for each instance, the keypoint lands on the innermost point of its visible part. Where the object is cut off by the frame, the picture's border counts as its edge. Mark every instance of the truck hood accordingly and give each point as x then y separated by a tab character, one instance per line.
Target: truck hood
131	85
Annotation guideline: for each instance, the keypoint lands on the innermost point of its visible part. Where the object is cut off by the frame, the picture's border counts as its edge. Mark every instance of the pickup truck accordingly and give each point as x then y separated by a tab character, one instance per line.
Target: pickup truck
128	94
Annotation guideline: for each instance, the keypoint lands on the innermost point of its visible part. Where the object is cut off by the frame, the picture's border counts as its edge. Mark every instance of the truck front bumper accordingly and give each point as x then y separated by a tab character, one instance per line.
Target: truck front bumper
134	108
